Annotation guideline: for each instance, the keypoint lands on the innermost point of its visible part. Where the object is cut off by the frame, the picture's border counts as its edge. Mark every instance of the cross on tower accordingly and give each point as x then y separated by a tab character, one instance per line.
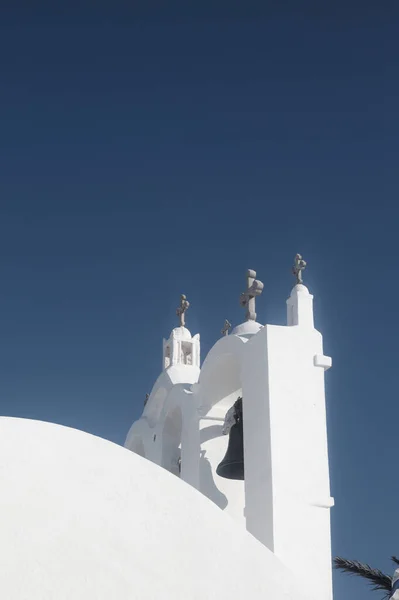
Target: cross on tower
184	304
247	298
227	326
299	266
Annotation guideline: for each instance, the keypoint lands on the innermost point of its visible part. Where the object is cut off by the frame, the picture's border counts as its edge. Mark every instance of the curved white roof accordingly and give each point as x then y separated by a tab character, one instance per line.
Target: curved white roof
182	333
247	328
300	288
82	518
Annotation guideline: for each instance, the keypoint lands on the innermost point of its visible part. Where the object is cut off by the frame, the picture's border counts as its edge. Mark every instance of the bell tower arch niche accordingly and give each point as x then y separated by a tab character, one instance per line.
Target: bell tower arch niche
166	356
220	387
171	441
181	349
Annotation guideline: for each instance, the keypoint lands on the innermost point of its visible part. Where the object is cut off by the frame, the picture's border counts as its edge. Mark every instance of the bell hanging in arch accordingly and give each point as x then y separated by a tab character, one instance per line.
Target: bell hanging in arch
232	466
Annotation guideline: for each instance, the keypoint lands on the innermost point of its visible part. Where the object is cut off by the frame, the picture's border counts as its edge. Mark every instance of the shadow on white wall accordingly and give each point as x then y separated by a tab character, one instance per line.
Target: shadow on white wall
207	481
171	441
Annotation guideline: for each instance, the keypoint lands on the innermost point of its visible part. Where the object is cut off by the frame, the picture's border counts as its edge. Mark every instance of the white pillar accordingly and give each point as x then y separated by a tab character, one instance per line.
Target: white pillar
287	490
300	307
190	444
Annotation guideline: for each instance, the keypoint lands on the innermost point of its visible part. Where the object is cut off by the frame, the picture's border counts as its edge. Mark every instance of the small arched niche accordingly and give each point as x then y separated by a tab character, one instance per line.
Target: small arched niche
171	441
167	359
186	353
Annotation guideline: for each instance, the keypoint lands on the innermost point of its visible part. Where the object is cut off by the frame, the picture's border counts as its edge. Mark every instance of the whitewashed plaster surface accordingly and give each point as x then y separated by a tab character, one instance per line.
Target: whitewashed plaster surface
287	487
83	519
279	370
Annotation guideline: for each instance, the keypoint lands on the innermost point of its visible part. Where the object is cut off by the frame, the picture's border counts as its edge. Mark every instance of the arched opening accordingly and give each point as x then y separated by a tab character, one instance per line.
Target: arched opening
171	441
186	353
220	379
167	358
220	385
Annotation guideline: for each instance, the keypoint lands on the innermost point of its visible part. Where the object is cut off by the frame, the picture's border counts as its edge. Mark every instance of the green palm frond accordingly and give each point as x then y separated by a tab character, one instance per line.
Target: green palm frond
395	560
378	580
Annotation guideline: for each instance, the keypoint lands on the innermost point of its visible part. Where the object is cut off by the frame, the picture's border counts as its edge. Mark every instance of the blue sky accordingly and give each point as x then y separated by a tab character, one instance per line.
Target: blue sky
165	149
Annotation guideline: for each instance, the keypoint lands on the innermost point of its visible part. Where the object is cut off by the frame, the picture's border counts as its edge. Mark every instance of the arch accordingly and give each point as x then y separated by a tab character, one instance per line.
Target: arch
171	441
219	387
166	384
220	377
137	437
156	401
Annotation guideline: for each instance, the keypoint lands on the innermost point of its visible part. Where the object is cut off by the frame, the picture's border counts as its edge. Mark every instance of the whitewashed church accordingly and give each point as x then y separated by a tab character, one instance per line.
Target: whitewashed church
221	492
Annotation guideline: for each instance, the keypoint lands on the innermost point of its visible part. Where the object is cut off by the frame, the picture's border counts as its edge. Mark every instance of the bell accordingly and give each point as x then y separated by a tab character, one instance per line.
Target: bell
232	466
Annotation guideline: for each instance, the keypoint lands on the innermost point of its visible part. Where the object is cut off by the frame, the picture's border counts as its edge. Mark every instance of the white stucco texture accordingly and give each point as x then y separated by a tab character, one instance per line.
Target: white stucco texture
82	518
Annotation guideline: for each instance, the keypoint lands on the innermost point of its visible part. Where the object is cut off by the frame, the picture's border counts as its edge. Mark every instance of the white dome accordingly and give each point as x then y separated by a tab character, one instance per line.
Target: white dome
247	328
181	333
83	519
300	288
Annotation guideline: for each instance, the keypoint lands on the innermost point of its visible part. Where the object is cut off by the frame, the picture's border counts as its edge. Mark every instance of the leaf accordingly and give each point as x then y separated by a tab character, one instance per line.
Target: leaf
378	580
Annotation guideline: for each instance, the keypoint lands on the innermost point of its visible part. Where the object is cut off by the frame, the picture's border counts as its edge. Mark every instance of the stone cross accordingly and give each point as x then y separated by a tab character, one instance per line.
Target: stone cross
227	326
247	298
298	267
184	304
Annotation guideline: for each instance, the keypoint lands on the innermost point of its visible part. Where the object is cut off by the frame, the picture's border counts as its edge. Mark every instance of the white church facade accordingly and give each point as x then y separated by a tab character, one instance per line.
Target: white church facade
282	495
221	492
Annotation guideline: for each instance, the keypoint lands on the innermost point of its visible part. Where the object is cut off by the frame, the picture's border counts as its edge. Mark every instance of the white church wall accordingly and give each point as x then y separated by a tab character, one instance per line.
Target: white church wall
139	437
175	375
257	441
137	445
174	434
171	440
164	395
102	523
190	455
178	427
285	445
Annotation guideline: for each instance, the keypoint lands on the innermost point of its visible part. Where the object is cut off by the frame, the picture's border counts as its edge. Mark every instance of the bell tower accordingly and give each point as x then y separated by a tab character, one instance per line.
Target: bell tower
221	405
287	483
248	429
166	431
181	349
